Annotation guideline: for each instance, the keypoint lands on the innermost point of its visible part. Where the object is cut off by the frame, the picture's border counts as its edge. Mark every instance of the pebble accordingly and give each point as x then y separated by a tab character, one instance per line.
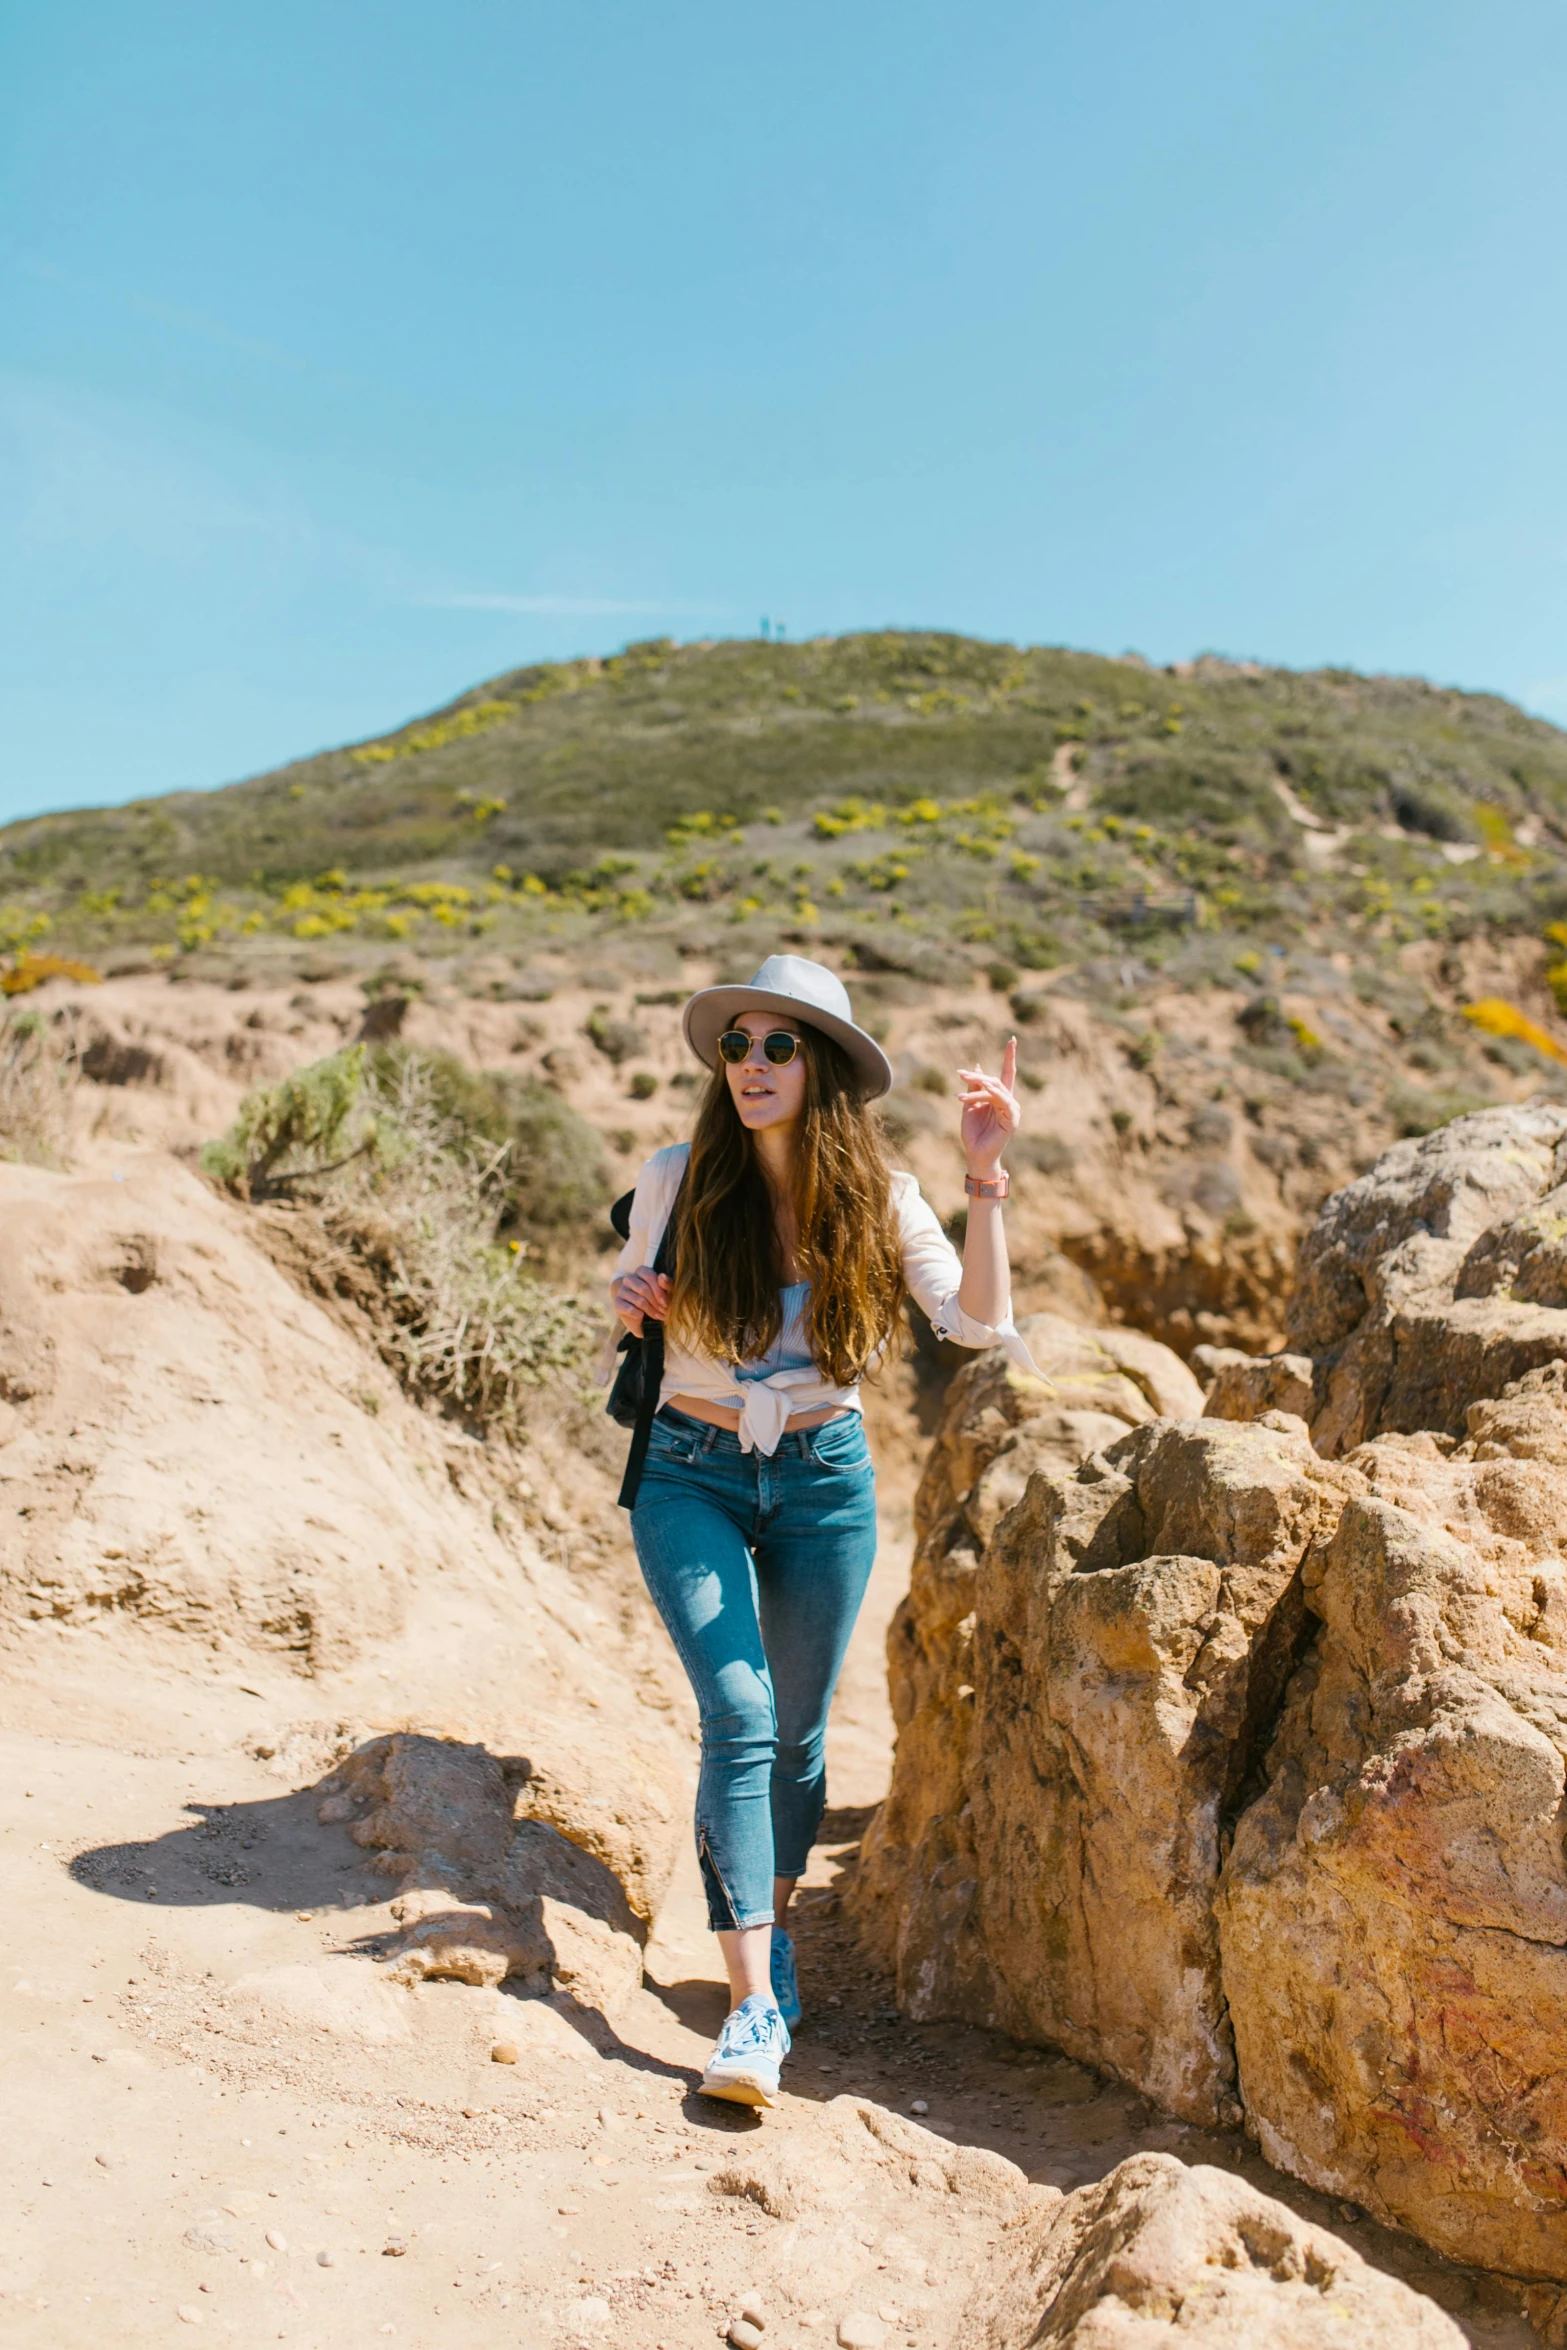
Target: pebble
277	2239
188	2314
918	2105
755	2311
742	2335
104	2161
394	2248
857	2331
504	2052
326	2260
569	2210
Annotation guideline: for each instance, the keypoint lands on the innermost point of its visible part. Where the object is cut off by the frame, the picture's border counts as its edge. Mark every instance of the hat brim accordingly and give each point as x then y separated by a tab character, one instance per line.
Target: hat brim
713	1009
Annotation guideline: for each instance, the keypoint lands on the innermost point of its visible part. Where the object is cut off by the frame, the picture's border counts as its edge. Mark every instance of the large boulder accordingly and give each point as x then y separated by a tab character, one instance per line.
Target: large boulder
1437	1278
998	1428
1393	1916
511	1869
1051	1869
1158	2253
1239	1770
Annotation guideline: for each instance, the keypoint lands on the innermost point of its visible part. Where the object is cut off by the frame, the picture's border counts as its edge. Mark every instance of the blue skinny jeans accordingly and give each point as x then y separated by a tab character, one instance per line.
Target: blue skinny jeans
758	1566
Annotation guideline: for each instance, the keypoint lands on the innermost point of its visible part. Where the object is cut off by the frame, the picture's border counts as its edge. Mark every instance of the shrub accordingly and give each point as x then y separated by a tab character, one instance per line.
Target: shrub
418	1199
1494	1016
299	1133
553	1172
38	1069
643	1085
30	971
617	1040
556	1172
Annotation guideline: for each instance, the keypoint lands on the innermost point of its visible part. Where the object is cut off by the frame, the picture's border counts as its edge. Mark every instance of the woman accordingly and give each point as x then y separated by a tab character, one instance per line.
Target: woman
755	1520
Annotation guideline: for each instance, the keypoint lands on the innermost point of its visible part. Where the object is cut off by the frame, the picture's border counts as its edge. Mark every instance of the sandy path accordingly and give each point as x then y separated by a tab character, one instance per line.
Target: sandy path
217	2118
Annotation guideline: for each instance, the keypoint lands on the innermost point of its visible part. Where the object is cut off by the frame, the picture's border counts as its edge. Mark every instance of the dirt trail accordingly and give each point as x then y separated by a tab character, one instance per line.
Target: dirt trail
219	2118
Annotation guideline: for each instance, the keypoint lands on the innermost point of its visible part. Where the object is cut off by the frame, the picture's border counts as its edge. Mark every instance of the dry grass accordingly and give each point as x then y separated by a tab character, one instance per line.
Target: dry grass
38	1075
416	1196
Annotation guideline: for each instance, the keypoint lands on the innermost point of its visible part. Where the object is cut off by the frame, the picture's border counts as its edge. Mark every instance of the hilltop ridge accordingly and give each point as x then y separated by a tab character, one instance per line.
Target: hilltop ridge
1047	789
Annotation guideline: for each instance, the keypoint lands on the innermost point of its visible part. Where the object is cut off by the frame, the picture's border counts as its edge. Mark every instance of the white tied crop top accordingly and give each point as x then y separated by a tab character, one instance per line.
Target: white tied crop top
764	1397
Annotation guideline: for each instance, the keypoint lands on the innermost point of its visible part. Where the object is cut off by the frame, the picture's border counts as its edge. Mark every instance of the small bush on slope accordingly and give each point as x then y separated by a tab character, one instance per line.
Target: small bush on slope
311	1126
554	1172
37	1074
416	1194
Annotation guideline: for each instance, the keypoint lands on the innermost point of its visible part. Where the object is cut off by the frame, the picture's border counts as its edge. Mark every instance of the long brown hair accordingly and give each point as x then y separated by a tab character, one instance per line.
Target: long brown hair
727	1269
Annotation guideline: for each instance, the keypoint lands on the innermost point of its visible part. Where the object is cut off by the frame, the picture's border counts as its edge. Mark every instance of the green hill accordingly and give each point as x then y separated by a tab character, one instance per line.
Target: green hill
914	795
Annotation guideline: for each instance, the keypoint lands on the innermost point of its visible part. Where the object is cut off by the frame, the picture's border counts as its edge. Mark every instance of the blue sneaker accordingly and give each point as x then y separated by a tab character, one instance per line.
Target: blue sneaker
745	2065
786	1984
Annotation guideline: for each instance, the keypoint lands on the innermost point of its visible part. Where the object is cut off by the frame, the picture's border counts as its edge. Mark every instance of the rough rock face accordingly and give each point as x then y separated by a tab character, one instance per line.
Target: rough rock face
1244	1386
1214	1736
1437	1278
491	1890
1049	1864
1159	2253
1394	1910
997	1429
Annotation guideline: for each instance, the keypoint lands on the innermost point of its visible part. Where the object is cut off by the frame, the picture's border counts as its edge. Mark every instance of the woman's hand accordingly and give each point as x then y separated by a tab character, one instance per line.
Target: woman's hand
991	1115
634	1295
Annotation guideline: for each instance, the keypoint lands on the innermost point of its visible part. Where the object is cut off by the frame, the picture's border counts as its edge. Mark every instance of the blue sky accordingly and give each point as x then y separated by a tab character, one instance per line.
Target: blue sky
350	353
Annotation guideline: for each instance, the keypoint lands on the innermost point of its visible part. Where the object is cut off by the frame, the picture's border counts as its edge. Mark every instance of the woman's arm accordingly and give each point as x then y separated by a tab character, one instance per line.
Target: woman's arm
990	1118
635	1289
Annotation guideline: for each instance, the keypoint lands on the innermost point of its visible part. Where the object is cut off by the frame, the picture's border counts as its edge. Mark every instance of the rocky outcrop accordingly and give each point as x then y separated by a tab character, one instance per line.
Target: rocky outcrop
1241	1772
1243	1387
1133	1627
503	1866
1437	1278
998	1428
1393	1915
1159	2253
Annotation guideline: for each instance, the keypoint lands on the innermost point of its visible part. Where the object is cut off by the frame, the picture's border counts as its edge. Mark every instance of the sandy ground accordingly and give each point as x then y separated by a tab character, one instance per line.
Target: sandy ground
218	2117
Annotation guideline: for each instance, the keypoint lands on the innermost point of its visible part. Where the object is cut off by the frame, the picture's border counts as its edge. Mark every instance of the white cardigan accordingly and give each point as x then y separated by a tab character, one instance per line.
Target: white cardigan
932	1271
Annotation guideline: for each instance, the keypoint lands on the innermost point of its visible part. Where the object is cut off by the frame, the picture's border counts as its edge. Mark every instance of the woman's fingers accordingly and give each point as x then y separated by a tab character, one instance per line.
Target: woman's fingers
993	1091
637	1294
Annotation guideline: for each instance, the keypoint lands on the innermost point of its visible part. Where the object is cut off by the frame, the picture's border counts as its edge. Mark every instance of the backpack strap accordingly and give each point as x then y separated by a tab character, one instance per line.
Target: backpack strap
652	1363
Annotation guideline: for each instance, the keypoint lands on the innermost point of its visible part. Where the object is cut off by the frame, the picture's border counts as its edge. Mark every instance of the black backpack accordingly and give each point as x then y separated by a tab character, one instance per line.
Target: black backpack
633	1400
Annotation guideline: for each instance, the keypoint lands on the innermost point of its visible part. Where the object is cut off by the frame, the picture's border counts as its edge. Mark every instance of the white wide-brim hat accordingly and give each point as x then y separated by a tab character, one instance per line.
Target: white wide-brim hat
805	992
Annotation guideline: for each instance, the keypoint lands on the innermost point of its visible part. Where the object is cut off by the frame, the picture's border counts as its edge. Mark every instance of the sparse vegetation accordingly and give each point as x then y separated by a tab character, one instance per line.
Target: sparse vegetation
38	1070
418	1191
885	795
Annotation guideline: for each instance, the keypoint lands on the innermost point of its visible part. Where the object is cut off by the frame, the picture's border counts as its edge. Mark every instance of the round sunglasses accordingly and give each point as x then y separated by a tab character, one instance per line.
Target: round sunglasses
779	1046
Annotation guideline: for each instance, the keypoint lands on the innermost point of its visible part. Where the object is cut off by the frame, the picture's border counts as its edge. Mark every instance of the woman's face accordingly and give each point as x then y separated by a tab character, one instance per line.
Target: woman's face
763	1094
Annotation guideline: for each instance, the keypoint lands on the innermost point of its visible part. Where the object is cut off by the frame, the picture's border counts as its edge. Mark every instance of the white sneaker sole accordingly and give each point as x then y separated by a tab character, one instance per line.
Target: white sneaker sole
739	2088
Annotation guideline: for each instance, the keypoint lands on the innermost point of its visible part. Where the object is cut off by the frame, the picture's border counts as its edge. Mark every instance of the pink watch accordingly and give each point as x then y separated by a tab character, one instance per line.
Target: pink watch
988	1186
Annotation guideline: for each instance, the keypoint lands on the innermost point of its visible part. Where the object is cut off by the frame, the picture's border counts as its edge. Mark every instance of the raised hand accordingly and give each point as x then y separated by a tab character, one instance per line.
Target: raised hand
991	1115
